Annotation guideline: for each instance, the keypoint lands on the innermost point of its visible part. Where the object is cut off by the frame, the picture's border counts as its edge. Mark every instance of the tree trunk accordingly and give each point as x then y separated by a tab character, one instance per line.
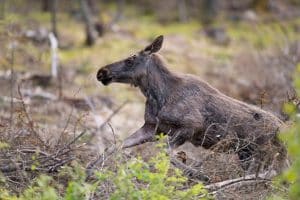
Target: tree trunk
93	6
209	11
53	17
2	9
120	10
182	10
46	5
91	34
260	5
96	11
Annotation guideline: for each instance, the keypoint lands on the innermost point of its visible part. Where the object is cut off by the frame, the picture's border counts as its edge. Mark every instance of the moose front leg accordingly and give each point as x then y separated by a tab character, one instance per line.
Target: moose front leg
145	134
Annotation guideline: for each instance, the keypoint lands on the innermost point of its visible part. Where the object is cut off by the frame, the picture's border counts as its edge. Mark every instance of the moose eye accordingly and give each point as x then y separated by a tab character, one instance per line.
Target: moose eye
129	61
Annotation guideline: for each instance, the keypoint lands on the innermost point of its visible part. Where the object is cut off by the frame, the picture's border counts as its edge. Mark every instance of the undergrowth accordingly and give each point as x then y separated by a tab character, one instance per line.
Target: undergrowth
134	179
290	179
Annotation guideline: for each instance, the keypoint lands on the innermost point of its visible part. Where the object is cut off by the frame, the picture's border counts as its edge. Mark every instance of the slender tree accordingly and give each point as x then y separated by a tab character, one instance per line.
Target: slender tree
2	9
260	5
182	10
209	11
90	31
120	10
46	5
53	17
93	6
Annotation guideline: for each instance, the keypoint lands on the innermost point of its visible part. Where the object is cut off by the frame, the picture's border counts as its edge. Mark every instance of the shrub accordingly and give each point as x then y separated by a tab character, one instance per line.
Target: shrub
155	179
134	179
291	176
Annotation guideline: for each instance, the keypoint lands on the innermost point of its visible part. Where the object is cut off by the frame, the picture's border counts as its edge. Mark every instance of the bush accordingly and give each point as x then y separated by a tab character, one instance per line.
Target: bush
151	180
134	179
291	176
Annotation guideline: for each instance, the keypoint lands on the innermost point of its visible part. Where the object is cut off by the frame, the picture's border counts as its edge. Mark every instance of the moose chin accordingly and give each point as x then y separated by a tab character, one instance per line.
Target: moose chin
189	109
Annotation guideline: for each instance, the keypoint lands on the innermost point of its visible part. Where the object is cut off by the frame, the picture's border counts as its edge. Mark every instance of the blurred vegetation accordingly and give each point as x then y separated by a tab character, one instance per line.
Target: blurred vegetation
291	177
131	33
135	179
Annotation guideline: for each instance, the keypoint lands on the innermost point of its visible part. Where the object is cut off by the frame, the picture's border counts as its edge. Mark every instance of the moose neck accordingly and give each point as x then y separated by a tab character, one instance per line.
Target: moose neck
157	83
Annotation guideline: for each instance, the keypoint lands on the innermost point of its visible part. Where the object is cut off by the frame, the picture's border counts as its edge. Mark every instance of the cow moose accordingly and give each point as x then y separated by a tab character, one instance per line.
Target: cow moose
188	109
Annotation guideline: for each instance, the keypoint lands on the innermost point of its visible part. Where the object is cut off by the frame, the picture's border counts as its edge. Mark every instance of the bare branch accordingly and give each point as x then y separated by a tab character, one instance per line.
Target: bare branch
30	121
253	178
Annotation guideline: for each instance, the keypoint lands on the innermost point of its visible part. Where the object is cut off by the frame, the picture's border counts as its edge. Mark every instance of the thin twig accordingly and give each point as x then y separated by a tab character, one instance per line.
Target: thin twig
113	132
12	85
66	125
54	167
113	114
102	125
30	122
75	139
107	151
101	158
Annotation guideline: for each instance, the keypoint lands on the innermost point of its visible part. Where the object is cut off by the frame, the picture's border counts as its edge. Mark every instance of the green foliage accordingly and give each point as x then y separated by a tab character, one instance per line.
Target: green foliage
292	139
153	180
3	145
41	190
77	188
266	34
135	179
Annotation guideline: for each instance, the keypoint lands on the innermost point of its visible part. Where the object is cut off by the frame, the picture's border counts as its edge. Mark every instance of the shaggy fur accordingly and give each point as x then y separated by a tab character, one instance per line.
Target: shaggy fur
188	109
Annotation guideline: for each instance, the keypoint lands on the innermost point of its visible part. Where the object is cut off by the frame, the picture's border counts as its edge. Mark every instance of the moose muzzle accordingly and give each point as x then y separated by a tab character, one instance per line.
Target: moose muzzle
104	76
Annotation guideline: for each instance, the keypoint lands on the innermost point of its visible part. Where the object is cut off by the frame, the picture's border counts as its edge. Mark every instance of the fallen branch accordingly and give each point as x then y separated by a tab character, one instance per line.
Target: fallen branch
40	94
249	179
9	99
53	168
47	162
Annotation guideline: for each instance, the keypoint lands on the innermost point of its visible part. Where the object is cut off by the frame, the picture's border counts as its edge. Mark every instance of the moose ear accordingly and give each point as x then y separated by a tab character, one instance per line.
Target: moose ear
155	45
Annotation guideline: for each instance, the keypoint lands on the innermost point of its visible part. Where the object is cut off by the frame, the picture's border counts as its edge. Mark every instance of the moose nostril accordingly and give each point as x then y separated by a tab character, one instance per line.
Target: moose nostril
98	74
102	73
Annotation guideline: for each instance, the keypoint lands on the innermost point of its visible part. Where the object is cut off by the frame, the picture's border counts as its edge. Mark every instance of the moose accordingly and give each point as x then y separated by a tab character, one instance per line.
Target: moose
188	109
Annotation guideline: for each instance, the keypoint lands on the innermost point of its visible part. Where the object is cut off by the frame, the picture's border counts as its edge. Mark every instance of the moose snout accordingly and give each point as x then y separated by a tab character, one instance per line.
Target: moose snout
102	74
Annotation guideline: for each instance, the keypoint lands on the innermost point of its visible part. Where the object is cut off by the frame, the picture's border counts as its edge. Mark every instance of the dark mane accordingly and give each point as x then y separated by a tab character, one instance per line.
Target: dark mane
161	65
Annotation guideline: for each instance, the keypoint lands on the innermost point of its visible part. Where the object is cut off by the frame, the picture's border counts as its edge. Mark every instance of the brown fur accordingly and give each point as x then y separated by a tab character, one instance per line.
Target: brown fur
189	109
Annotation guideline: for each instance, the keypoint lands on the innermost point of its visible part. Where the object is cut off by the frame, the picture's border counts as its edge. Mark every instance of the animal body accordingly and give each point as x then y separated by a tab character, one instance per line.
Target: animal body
189	109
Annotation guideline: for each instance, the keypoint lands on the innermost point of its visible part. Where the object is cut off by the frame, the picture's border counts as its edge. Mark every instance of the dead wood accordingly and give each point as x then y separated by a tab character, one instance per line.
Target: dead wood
238	182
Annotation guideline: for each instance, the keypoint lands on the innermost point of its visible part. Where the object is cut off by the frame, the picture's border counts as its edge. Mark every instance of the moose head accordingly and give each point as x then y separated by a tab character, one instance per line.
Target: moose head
131	69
